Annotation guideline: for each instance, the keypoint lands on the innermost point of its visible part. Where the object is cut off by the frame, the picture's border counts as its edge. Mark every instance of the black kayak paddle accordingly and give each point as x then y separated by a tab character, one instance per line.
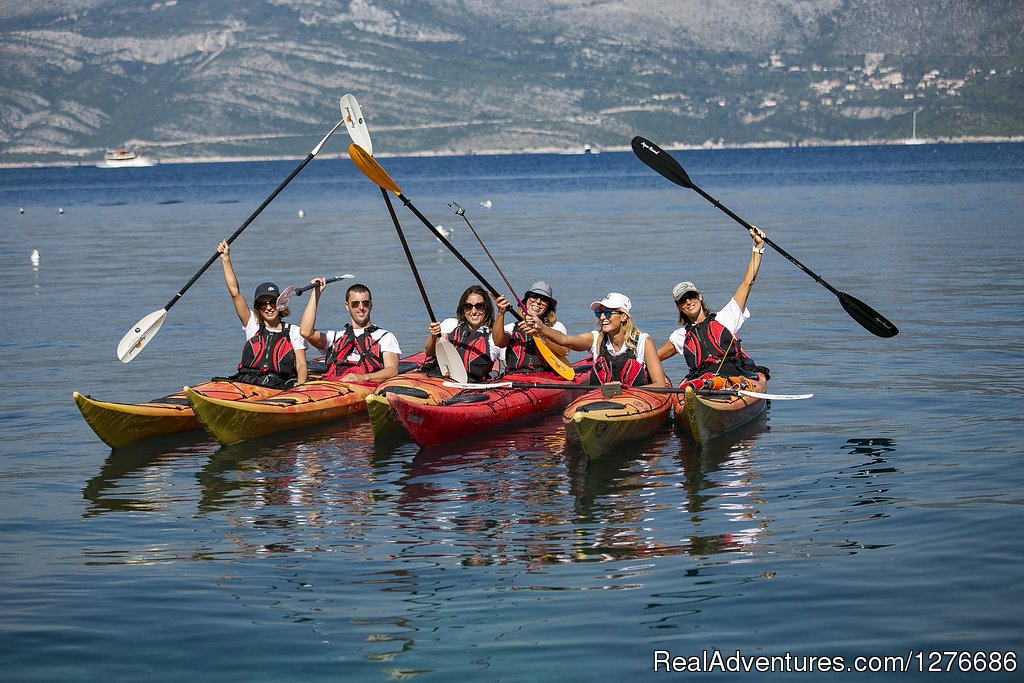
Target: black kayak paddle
662	162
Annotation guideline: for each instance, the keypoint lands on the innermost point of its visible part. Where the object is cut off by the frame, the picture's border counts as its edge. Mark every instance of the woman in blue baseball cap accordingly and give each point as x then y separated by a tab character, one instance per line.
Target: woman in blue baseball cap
274	354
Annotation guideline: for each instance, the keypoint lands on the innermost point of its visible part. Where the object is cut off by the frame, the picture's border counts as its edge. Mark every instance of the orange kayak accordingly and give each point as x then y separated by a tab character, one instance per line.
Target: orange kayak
307	404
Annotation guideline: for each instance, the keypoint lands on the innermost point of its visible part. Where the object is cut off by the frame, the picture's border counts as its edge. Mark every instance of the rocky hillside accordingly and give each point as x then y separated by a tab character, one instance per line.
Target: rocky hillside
199	78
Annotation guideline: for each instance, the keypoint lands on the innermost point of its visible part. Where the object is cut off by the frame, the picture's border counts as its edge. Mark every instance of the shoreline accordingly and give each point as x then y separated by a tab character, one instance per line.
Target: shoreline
774	144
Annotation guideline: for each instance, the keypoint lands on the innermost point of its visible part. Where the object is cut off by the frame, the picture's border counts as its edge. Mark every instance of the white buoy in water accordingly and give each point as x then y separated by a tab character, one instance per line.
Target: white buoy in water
61	211
35	258
445	232
21	210
301	213
486	203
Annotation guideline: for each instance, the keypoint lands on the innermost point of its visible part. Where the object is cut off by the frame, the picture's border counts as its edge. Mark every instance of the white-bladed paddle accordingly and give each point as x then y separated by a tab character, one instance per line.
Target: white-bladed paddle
292	291
448	360
142	332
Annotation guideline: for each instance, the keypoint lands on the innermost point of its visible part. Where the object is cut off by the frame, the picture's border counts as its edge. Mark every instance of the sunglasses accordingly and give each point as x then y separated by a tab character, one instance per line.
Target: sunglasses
467	307
267	303
605	313
360	304
689	296
540	298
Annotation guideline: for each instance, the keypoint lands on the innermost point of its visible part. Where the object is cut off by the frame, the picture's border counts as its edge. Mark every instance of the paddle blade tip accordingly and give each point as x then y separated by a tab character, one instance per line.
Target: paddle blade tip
660	161
868	318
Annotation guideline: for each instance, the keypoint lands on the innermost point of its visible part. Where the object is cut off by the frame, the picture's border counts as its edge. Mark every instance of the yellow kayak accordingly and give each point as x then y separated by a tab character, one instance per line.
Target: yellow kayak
119	424
416	387
599	424
705	415
307	404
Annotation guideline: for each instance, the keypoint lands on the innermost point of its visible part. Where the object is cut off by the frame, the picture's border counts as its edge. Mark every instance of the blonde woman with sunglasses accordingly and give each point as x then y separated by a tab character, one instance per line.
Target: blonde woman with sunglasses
621	352
274	354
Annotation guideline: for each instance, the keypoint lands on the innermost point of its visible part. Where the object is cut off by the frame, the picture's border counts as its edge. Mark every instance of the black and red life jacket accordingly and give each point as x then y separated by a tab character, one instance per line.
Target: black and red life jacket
268	358
371	358
624	367
706	345
521	353
474	348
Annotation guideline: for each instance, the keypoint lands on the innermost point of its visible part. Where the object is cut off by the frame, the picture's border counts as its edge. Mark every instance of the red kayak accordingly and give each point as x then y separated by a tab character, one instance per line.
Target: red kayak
473	411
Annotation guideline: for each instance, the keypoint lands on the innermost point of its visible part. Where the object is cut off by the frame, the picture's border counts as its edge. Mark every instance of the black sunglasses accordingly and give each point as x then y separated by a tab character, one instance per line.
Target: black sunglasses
266	302
687	297
467	307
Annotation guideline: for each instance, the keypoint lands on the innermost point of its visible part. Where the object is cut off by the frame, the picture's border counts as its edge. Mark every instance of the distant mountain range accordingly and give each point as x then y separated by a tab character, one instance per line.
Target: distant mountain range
262	78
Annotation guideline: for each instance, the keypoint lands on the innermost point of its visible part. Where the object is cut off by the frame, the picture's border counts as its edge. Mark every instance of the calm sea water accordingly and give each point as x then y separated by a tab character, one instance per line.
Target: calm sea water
882	517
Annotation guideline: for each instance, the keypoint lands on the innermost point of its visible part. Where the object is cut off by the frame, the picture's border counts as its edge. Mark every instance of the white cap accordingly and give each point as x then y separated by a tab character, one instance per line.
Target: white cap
613	300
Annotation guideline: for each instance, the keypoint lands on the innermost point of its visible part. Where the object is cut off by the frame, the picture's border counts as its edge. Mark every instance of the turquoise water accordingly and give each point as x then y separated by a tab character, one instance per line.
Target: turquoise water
879	518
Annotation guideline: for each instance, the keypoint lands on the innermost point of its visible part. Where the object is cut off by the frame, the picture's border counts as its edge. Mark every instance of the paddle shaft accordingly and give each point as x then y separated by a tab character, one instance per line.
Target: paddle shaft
725	209
487	251
257	212
299	291
556	362
614	389
469	266
408	254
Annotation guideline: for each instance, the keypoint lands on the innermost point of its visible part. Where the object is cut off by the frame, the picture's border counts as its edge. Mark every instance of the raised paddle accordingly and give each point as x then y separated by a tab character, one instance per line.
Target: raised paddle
372	170
554	361
448	360
660	160
615	388
143	331
292	291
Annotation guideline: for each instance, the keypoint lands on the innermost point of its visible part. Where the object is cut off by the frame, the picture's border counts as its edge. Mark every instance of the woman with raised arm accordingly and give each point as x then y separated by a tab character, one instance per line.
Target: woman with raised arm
274	354
708	340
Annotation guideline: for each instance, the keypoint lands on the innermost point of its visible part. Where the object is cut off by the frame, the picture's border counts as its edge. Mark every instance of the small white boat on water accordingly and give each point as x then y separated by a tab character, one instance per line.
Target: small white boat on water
125	158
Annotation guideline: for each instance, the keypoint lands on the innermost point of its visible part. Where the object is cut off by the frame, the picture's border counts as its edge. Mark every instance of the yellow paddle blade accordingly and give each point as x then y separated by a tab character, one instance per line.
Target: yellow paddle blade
555	362
371	169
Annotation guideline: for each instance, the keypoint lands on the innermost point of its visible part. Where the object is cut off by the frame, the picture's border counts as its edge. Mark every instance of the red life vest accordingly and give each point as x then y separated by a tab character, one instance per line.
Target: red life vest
474	348
521	352
707	343
268	358
624	367
371	358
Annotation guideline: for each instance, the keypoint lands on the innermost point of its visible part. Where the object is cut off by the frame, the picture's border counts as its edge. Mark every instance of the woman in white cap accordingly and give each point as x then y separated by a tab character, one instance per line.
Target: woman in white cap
274	354
621	352
708	340
520	350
